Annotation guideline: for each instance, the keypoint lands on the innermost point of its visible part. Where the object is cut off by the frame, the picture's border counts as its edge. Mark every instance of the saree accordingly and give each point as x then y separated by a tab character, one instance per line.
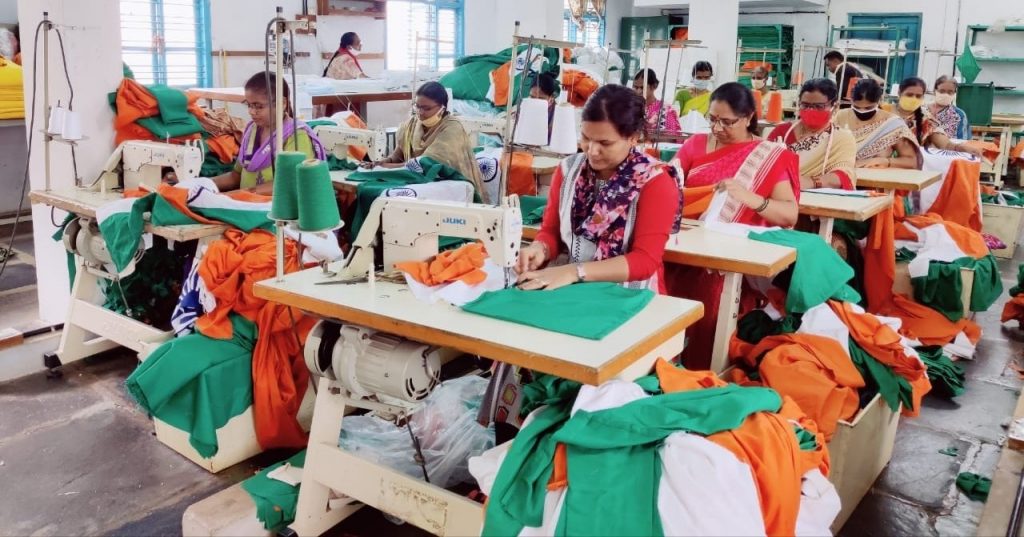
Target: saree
879	137
952	121
256	164
759	166
833	150
669	120
688	101
446	143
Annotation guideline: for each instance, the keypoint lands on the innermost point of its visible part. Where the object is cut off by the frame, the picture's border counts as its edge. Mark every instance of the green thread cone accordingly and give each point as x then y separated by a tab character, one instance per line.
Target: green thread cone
285	204
318	208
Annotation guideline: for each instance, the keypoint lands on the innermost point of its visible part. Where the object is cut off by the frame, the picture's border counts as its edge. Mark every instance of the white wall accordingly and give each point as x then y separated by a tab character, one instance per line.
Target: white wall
714	24
92	40
8	11
489	23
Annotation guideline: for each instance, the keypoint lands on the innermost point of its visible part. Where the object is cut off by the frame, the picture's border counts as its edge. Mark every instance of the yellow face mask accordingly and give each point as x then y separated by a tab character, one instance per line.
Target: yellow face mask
432	122
909	104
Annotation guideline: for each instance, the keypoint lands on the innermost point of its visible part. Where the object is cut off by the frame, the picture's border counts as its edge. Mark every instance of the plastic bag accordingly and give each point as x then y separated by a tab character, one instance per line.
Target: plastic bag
446	427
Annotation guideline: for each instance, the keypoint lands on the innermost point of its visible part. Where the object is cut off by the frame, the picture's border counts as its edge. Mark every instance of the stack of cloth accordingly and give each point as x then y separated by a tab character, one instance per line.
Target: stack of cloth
12	94
155	112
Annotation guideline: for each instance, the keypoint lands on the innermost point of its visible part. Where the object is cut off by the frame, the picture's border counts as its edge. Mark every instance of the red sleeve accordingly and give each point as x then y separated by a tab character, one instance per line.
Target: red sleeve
779	132
549	233
688	149
655	213
844	180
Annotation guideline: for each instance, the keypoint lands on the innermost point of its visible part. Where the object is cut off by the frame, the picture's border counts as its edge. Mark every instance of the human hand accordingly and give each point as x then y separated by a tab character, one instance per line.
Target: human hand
550	278
367	165
972	150
531	258
877	162
739	192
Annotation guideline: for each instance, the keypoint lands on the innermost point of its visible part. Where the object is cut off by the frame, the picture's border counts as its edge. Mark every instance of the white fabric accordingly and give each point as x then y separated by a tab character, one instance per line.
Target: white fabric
459	293
694	123
938	160
484	467
936	245
286	473
612	394
317	246
819	505
822	321
960	347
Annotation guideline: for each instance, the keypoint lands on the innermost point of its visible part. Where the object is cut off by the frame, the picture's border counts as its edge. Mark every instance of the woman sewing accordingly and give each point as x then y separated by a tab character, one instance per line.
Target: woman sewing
254	169
761	184
433	132
611	207
344	65
827	153
920	121
883	139
952	120
660	118
698	98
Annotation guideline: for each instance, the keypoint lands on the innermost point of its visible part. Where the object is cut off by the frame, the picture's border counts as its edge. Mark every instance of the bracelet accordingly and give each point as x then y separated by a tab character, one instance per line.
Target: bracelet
763	206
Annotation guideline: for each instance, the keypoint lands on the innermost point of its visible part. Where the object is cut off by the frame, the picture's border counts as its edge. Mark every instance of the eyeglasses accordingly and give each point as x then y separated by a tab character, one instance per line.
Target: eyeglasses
815	106
723	122
424	108
256	107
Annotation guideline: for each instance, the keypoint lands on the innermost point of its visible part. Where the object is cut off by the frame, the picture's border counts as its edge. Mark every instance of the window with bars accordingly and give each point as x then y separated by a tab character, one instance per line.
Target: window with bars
424	33
592	32
167	41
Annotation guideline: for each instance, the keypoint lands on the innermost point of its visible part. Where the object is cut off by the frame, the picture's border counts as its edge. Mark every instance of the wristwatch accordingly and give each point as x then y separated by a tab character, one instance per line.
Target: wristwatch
581	274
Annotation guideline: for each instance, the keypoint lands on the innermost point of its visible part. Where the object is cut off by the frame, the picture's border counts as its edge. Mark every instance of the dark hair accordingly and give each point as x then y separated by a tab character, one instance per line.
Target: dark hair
910	82
652	79
266	83
17	33
618	105
702	66
946	78
347	40
823	86
546	83
867	88
740	99
435	92
834	55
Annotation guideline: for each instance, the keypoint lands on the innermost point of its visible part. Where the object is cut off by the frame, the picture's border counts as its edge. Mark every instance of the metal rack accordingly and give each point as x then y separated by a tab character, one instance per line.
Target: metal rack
670	44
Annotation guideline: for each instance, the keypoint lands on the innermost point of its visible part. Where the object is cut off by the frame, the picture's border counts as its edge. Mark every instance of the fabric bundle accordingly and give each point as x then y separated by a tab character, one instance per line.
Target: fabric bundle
462	264
12	94
1014	308
155	112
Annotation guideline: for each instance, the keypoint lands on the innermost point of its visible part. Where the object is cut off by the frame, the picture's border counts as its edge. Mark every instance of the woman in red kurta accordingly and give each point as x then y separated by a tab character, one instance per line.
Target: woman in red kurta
761	184
611	208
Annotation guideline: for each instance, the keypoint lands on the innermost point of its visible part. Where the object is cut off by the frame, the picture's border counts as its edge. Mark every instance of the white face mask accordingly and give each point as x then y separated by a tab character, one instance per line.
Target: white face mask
702	84
757	83
944	99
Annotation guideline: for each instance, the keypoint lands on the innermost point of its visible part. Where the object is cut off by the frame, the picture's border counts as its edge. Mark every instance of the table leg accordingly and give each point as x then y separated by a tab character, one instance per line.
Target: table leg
75	342
725	325
825	224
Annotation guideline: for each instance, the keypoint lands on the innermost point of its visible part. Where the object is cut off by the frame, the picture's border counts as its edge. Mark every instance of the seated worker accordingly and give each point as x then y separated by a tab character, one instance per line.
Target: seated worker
611	208
827	153
254	169
698	98
920	122
883	139
659	117
951	119
344	65
433	132
545	86
838	66
759	78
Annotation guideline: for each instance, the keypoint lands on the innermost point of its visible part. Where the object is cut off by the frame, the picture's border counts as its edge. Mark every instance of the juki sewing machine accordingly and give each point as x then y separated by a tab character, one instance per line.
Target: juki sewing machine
141	164
486	125
337	140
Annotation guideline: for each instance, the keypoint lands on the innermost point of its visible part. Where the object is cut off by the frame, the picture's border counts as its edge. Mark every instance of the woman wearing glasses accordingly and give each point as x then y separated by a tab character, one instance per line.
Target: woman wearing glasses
254	169
827	153
883	139
761	180
433	132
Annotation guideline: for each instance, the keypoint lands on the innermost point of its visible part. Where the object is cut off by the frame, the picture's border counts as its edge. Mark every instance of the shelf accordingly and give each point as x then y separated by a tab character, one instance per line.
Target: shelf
984	27
356	13
1000	60
1016	93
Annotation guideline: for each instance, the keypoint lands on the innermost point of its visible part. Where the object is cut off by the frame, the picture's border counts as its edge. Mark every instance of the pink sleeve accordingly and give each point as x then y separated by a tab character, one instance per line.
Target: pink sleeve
550	233
844	180
672	120
686	152
655	214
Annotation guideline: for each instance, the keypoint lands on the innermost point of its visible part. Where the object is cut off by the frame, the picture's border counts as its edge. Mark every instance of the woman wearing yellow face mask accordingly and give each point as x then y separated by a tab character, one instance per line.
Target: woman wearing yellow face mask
433	132
920	121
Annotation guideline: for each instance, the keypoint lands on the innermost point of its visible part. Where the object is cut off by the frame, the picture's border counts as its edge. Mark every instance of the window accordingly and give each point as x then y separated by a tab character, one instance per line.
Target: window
167	41
592	32
437	24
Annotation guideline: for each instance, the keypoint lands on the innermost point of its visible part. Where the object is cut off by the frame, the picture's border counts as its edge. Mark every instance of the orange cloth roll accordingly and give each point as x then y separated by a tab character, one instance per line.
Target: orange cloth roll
798	78
774	107
757	102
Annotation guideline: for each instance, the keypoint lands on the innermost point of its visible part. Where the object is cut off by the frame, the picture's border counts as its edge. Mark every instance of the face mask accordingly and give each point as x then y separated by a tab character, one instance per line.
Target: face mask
757	84
944	99
865	115
815	119
431	122
702	84
353	51
910	104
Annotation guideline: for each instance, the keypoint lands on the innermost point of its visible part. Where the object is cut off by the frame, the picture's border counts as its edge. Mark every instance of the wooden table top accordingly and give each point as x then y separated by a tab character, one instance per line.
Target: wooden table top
857	208
896	178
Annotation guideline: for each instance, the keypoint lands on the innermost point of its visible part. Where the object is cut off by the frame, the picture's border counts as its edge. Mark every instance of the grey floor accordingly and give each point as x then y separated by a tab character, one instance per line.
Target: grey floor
77	457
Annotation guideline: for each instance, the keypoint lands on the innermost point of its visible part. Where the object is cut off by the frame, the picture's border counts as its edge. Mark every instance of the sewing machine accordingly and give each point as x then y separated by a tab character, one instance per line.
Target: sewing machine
82	237
410	229
142	164
338	139
476	125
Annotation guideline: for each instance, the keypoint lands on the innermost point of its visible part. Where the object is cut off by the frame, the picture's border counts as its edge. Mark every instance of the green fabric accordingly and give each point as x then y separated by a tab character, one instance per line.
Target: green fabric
893	388
757	325
275	500
150	293
974	486
532	208
127	71
334	163
470	80
1016	289
59	237
967	64
605	450
941	288
807	440
946	376
587	310
197	384
818	273
173	118
375	182
905	255
857	230
320	123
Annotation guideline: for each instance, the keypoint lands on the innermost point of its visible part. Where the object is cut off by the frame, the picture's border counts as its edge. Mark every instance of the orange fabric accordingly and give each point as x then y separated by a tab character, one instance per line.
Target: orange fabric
927	325
989	150
229	269
357	152
736	375
959	199
750	65
501	82
134	102
883	343
178	198
815	371
989	190
462	264
878	255
1014	310
521	180
680	33
968	240
560	476
676	379
774	114
757	102
849	87
1017	151
579	85
224	146
696	200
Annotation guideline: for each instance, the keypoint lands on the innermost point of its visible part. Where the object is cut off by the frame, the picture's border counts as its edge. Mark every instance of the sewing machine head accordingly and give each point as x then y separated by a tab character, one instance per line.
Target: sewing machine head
337	140
142	164
485	125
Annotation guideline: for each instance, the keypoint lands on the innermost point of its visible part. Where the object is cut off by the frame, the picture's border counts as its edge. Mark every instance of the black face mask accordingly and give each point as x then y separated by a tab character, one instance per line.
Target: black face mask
864	116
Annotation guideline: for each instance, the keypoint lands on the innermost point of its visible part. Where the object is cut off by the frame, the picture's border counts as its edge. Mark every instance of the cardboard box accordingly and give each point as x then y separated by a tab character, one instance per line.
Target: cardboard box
1004	222
901	285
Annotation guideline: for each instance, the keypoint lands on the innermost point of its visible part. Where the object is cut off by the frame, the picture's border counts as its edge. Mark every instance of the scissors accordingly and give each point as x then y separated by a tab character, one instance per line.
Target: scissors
350	281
